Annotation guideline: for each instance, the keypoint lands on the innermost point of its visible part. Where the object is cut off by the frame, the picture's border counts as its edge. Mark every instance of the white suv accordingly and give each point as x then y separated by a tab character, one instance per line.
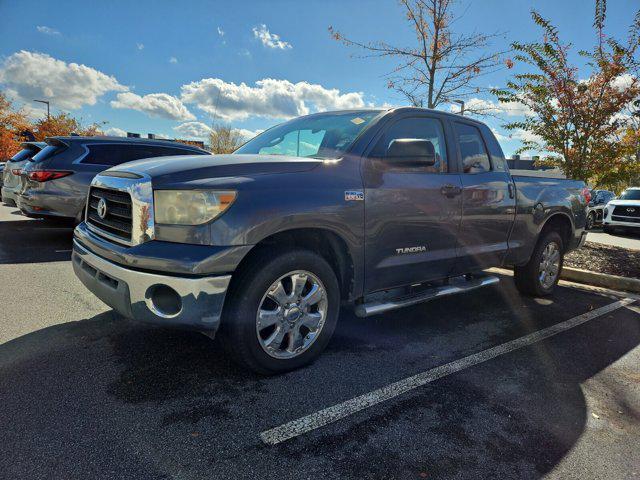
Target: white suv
624	211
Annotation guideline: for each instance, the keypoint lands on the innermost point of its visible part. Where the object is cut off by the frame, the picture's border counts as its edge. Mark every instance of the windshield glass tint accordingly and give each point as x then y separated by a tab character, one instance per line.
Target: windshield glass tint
630	195
47	152
317	136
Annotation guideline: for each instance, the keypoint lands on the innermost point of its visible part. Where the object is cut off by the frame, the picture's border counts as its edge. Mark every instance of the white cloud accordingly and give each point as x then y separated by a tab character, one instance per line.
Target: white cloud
29	75
268	39
525	136
173	60
500	137
193	130
480	105
268	98
160	105
248	134
140	46
115	132
199	131
624	81
47	30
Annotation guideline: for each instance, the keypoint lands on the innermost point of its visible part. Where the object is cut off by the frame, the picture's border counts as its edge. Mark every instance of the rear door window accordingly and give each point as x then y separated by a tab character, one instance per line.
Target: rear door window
475	158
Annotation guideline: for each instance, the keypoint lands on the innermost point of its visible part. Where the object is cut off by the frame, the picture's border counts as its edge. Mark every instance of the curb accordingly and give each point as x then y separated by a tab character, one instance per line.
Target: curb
600	279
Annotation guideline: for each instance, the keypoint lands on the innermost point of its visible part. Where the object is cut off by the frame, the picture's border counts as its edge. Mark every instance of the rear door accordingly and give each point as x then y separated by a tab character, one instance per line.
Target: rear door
488	199
412	212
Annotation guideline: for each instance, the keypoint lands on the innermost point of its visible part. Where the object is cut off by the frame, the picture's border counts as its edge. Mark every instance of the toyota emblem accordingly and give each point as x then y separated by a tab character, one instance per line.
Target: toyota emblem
102	208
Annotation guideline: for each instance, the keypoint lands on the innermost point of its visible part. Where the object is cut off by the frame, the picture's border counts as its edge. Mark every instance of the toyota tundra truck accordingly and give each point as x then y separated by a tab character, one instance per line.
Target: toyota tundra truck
369	209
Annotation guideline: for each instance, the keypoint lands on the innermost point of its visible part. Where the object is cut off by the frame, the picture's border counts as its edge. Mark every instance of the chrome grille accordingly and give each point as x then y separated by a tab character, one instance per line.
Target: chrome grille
117	221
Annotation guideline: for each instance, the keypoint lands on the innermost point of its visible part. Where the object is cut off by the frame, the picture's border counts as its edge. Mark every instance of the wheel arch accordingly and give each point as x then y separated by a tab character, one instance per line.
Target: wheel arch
327	243
561	223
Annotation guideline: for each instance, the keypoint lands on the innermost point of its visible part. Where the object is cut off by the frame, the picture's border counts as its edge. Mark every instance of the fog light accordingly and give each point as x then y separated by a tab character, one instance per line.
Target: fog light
163	300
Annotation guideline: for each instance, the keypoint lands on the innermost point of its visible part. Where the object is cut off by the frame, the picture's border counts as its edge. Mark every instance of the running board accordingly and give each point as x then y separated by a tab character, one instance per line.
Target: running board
461	286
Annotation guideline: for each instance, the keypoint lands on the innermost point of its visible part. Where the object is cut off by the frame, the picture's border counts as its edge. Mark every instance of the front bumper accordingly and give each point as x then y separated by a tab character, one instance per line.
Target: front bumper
196	303
616	223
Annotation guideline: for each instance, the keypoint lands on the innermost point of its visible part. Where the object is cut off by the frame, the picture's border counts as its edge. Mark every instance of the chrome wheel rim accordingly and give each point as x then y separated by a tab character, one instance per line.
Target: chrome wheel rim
291	314
549	265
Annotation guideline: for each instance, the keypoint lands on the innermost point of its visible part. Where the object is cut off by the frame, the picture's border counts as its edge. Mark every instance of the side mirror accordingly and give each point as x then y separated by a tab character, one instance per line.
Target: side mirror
412	150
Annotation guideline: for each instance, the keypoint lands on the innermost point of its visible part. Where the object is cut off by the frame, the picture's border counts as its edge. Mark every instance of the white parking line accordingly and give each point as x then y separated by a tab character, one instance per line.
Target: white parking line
329	415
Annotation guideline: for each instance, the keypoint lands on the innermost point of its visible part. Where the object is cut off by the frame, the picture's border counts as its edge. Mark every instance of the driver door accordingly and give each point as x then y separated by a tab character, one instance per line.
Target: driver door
412	211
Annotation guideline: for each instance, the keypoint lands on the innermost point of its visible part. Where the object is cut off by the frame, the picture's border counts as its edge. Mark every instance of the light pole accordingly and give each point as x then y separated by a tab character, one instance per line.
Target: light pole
45	102
461	103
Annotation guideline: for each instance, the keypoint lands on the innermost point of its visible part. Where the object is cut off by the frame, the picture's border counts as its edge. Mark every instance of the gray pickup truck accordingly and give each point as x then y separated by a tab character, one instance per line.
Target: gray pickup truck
370	209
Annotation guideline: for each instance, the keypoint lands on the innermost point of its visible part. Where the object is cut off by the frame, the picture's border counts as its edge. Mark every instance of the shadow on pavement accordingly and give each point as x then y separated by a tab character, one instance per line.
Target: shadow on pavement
103	398
32	241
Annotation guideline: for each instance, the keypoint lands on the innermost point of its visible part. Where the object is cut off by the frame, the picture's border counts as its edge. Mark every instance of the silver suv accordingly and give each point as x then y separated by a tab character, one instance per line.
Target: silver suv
55	182
13	168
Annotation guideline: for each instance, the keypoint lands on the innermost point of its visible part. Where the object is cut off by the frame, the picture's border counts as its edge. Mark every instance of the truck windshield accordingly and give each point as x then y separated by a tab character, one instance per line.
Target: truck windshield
317	136
630	195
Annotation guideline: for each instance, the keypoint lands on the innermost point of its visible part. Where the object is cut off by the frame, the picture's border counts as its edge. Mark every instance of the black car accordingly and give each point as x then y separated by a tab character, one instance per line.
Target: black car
55	183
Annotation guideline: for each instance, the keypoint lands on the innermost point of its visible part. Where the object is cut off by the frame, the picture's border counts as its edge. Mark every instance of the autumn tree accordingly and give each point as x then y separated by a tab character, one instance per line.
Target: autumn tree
577	120
56	125
224	139
443	66
94	129
13	124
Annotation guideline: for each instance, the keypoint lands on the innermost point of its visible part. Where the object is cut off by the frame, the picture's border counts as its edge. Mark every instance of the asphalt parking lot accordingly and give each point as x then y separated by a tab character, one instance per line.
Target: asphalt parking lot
86	394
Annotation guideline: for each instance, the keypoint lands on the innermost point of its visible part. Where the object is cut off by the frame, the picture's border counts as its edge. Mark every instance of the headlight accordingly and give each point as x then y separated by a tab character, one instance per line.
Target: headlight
190	207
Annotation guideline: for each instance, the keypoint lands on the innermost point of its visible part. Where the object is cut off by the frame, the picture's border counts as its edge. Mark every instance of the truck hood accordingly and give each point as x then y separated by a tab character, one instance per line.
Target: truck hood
169	172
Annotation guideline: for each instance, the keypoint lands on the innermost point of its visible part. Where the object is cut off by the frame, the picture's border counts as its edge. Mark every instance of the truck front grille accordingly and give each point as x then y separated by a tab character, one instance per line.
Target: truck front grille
626	211
116	220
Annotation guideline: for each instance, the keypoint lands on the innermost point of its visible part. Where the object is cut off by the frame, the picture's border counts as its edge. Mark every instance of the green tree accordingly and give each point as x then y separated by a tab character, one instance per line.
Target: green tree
576	121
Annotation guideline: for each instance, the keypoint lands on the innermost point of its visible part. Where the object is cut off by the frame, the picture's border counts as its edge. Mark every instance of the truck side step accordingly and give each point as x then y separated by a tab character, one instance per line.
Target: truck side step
454	287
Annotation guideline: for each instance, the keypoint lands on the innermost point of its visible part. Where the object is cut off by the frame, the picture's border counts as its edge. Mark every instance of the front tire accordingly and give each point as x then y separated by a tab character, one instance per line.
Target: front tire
591	220
540	275
281	312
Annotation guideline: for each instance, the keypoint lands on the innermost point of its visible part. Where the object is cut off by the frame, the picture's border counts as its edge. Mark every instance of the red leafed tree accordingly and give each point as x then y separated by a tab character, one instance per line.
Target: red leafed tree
13	123
576	117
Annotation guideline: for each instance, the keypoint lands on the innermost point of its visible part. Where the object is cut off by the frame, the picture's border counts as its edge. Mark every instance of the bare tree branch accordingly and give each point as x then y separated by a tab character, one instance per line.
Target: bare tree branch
443	66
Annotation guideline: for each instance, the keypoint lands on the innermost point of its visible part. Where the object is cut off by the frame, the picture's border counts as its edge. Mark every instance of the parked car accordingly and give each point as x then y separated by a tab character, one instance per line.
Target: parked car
13	168
595	209
623	213
55	183
372	209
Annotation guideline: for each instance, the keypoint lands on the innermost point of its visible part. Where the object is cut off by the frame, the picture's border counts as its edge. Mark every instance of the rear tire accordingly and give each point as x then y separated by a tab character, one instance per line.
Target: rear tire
264	293
541	274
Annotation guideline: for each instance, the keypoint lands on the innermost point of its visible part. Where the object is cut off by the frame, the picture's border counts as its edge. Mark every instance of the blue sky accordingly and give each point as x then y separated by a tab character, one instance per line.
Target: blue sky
167	67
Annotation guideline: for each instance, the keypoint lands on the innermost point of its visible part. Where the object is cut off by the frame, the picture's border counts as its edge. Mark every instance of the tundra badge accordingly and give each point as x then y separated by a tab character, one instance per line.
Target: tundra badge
418	249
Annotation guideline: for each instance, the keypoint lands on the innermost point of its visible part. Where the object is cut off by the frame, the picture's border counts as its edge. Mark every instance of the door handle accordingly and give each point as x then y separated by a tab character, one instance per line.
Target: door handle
511	191
450	190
